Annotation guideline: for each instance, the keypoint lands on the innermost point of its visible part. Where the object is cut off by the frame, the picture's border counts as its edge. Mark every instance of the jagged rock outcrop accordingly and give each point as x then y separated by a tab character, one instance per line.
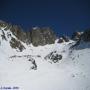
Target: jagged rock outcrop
76	36
84	40
66	38
86	36
37	36
11	35
42	36
21	34
34	66
3	24
16	44
17	31
63	39
3	36
54	57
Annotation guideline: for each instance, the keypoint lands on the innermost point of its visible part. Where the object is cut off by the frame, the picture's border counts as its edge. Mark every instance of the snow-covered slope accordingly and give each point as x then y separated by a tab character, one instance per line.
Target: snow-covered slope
34	68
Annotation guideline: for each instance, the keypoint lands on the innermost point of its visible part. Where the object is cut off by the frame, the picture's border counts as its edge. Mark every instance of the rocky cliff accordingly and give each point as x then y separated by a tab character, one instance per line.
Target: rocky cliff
36	36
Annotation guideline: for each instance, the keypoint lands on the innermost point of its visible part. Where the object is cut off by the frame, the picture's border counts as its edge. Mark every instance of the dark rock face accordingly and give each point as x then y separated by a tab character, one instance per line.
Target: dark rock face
63	39
81	43
76	35
66	38
86	36
34	64
3	24
17	31
42	36
54	57
20	34
16	44
3	36
37	36
28	37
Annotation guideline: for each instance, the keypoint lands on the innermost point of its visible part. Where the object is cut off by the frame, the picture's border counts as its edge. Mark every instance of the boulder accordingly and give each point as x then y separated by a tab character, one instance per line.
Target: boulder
34	65
54	57
61	40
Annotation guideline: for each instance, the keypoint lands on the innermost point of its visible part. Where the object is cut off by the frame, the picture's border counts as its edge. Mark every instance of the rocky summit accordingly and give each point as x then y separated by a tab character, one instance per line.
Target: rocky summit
42	36
36	36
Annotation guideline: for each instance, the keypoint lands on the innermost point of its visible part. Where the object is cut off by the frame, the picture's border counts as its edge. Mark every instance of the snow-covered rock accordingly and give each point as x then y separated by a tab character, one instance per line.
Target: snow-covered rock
34	68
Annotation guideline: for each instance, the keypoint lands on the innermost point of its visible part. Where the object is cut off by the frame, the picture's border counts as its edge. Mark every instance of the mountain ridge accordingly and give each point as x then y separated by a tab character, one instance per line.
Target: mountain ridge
37	35
48	63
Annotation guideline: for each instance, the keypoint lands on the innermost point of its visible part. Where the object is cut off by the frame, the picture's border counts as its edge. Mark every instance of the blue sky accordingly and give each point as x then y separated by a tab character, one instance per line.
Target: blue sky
64	16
